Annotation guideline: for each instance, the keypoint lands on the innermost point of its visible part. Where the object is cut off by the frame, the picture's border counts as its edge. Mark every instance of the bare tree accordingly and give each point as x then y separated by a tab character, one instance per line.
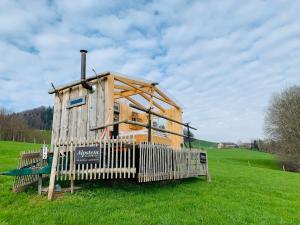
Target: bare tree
282	124
14	127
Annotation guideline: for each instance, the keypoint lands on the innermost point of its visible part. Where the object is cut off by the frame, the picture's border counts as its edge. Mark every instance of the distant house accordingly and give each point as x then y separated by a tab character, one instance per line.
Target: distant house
227	145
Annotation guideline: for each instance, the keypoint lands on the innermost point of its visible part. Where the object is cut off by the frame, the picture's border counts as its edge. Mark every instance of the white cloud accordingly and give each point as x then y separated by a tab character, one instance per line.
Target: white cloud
221	60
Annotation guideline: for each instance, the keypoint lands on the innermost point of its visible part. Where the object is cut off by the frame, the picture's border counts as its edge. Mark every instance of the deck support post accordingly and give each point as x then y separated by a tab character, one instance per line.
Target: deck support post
208	177
72	183
53	174
40	184
189	135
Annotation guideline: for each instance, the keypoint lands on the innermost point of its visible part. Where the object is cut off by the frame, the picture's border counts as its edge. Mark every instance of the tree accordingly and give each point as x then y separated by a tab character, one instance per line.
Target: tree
38	118
14	127
282	124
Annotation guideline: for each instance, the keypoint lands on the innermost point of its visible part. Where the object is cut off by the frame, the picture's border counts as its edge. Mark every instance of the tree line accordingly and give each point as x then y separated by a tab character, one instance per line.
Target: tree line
38	118
30	126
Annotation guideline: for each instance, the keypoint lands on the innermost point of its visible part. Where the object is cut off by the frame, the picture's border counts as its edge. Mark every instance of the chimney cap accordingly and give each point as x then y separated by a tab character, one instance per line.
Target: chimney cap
83	50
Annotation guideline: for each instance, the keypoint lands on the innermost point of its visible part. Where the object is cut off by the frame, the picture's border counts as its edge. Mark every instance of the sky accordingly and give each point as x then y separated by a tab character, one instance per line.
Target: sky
222	60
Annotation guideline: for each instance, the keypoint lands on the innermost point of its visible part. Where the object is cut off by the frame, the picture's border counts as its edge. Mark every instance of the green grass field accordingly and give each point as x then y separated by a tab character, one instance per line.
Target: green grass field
257	192
202	144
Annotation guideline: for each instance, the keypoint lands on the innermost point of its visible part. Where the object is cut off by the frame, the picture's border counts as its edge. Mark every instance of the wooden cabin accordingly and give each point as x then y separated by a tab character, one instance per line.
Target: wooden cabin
111	126
99	106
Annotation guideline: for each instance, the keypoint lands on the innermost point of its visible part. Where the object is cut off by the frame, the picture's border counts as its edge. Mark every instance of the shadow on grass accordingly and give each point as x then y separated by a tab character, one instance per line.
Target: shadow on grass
260	163
131	185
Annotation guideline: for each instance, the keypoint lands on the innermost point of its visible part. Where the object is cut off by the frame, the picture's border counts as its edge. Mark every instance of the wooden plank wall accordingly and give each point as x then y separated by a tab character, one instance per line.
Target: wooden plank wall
172	140
176	114
76	122
117	160
160	162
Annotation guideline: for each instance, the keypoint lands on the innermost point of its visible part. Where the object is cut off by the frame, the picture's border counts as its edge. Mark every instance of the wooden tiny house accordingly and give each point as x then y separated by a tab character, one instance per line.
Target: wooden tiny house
99	106
111	126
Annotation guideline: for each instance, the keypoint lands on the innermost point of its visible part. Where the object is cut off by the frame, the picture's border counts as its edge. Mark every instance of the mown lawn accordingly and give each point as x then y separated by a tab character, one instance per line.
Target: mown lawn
247	188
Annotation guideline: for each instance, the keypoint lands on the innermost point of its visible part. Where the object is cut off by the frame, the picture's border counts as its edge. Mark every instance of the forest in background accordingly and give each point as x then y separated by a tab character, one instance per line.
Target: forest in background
29	126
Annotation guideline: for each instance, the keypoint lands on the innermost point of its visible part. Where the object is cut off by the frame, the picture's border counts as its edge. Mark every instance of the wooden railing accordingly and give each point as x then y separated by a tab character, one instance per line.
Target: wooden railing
160	162
121	158
116	160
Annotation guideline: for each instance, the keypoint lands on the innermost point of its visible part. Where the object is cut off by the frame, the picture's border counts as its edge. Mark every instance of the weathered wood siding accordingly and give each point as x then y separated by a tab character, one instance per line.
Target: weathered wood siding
76	122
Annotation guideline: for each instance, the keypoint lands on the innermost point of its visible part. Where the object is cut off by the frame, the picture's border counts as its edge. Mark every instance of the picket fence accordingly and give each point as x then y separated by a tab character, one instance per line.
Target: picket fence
121	158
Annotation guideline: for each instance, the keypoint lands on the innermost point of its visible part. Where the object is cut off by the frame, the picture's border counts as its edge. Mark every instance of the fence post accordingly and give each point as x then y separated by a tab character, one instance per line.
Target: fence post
208	177
189	135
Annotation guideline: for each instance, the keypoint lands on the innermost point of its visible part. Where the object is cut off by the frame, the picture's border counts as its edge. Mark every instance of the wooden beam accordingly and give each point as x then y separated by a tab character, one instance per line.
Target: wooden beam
153	102
147	92
123	87
164	95
61	88
160	115
107	125
135	102
132	81
138	124
121	94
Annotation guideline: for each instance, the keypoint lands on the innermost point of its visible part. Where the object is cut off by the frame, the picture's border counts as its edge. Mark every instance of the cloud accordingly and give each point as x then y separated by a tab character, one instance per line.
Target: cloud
221	60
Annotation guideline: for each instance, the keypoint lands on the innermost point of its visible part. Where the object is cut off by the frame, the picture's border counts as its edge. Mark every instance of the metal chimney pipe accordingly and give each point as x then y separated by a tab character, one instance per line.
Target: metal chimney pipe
83	71
83	64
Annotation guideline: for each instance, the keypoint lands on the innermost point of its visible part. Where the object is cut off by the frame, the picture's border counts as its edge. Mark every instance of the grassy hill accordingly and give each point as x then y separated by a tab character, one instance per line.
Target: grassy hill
203	144
247	187
196	143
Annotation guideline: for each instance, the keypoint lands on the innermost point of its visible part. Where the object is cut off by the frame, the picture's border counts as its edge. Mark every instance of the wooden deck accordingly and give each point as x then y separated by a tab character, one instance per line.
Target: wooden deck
123	158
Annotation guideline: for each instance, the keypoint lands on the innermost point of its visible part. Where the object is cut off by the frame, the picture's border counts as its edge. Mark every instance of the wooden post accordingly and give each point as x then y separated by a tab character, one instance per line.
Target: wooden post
189	135
109	102
53	174
208	178
72	170
40	184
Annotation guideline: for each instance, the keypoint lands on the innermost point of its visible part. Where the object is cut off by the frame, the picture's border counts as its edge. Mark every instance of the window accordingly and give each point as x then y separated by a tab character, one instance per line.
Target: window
135	116
76	102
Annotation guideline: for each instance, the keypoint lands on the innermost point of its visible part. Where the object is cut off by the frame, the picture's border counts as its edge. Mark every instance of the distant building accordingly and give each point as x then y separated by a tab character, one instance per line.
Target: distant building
227	145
